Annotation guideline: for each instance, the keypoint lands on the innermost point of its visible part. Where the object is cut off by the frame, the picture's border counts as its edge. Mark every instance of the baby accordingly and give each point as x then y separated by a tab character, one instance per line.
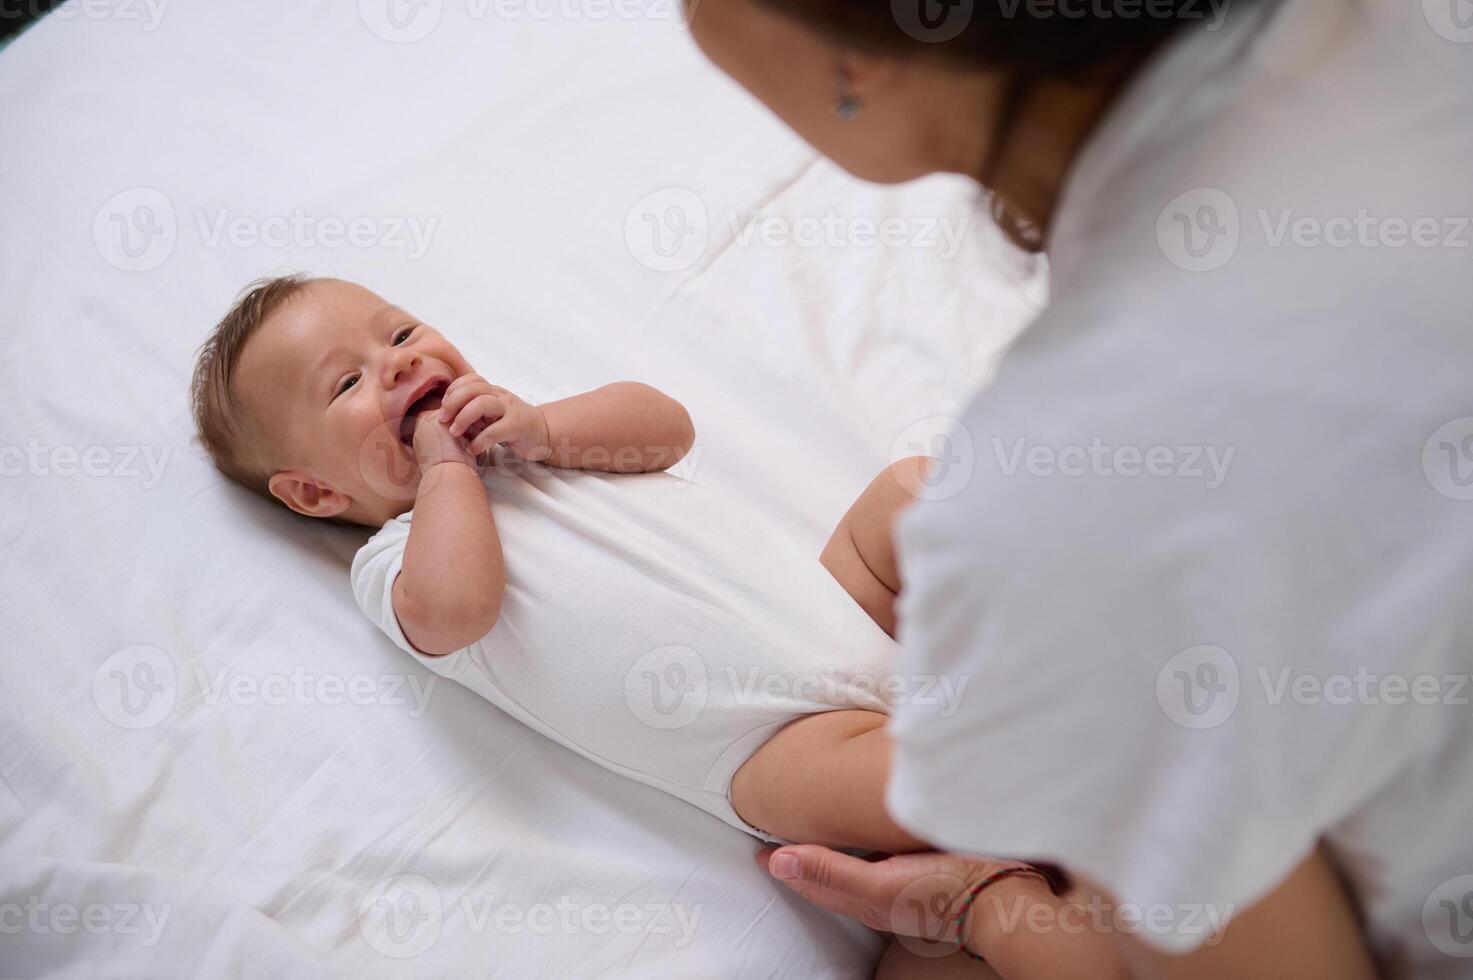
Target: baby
540	555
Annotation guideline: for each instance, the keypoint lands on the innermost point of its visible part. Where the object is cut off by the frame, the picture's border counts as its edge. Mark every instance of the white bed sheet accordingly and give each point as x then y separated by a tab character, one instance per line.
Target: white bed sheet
268	832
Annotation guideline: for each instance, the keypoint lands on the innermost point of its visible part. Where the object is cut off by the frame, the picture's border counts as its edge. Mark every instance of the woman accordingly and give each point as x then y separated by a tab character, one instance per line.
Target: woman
1211	566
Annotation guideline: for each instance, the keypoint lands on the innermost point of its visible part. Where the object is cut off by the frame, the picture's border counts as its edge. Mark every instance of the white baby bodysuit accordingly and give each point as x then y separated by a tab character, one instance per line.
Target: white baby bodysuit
651	624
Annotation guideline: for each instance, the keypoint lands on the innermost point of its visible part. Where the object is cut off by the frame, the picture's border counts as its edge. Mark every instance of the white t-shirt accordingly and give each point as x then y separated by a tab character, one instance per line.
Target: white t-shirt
654	625
1205	547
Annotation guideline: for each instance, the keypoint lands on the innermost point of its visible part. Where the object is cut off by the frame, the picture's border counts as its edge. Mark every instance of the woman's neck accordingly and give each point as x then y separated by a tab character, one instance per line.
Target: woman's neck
1025	158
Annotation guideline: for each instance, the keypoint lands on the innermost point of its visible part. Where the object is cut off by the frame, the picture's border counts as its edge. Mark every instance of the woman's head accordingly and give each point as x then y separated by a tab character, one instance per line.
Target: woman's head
932	85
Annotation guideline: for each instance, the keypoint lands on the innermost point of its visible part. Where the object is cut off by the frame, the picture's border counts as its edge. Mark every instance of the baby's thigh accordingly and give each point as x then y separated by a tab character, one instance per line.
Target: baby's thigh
904	961
821	780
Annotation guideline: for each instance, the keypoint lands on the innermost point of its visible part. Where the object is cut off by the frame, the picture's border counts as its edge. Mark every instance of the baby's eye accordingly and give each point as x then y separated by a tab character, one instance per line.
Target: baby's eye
402	335
345	384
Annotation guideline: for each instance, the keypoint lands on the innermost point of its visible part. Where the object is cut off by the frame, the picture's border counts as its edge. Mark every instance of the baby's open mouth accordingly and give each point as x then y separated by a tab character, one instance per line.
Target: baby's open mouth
428	402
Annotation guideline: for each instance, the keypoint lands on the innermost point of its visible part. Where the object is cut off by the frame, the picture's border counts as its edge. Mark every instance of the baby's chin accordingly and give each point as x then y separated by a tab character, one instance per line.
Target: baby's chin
386	479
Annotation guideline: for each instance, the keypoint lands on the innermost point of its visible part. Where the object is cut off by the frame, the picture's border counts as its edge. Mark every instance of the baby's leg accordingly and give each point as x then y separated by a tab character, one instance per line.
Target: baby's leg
899	963
860	554
821	780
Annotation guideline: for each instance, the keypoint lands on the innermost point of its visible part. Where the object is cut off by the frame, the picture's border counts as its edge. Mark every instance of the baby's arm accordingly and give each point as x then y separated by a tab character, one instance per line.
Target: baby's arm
624	427
448	591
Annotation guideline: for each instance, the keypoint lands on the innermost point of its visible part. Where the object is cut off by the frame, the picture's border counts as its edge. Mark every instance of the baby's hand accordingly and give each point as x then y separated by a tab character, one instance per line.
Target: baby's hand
487	415
433	444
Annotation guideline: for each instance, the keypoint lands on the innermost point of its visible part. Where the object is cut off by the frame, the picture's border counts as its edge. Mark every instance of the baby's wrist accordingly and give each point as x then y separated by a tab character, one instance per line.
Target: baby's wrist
546	431
428	470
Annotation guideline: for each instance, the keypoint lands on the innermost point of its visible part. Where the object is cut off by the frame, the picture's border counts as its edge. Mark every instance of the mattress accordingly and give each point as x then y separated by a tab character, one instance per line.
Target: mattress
210	763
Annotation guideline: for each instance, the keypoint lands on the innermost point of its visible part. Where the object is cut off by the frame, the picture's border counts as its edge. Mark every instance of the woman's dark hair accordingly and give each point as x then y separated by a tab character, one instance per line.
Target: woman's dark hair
1039	38
1029	40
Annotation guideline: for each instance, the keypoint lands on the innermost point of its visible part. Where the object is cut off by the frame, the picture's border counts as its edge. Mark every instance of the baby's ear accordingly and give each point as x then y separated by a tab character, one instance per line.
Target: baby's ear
307	495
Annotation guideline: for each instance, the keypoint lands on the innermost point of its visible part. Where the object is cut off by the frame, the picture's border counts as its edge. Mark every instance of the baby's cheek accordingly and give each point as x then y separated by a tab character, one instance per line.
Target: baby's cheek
372	458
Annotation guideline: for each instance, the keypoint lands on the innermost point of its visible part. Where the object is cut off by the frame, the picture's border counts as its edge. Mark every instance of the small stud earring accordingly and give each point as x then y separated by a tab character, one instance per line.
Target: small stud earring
847	106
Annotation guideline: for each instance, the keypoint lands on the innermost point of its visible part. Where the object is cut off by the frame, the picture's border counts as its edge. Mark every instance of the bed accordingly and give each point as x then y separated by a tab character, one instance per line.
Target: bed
210	763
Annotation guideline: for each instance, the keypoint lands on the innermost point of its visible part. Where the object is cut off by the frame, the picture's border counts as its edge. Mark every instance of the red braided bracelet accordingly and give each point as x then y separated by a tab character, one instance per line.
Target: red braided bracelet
1016	871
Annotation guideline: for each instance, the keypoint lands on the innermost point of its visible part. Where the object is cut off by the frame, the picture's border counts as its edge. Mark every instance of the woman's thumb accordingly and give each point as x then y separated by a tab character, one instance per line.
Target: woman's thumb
827	877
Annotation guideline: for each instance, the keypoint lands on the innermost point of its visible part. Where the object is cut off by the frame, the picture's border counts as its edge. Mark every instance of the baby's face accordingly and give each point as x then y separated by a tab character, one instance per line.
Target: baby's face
336	375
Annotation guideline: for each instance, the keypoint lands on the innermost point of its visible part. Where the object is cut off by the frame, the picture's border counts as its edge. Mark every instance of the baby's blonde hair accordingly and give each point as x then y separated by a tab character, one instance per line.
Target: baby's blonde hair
229	434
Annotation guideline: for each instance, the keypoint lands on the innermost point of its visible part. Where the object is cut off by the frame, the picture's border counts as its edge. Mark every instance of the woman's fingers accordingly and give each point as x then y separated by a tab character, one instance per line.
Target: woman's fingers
838	882
916	895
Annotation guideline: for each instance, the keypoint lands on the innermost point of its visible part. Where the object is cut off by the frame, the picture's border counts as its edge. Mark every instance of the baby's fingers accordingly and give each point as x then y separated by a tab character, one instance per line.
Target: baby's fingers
461	391
489	407
498	431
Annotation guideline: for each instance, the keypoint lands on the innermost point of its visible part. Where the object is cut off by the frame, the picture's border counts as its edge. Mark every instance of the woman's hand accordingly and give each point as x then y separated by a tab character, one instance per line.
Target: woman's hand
487	414
915	896
1017	923
1307	927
